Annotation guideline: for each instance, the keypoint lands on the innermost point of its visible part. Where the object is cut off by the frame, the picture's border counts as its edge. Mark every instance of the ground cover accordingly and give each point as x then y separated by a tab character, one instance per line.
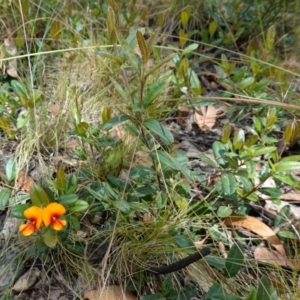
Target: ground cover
149	150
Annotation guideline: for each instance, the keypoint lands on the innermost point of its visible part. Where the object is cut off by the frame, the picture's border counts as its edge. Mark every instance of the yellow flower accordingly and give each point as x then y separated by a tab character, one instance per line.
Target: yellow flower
48	215
51	215
34	215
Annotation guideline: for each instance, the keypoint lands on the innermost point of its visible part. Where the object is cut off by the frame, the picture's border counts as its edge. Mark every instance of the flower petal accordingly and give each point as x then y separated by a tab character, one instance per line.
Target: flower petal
27	229
34	214
56	209
51	213
58	224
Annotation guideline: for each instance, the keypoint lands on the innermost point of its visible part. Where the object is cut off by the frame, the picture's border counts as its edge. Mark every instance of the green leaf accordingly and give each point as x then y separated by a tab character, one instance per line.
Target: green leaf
272	192
228	182
262	150
270	38
166	159
257	124
216	292
239	74
183	241
61	180
153	92
38	196
4	198
152	39
157	128
215	262
287	235
82	128
109	55
50	236
79	206
160	64
20	90
288	179
225	136
111	24
246	83
239	139
246	183
291	158
184	17
67	200
129	53
252	295
265	291
190	48
212	28
119	88
74	222
157	296
224	211
115	121
106	114
283	216
10	169
284	166
18	210
219	150
122	205
234	261
207	160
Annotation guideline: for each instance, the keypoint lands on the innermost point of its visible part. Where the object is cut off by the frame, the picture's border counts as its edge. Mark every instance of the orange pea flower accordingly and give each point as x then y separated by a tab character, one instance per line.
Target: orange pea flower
35	216
51	215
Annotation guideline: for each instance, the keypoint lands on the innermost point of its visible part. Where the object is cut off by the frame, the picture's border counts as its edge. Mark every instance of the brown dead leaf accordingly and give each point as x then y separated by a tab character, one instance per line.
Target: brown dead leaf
290	197
11	48
112	292
258	227
27	280
270	256
182	114
205	117
24	181
55	109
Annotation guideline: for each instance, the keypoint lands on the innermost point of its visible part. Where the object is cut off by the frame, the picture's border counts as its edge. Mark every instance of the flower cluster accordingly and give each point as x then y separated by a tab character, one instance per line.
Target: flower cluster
48	215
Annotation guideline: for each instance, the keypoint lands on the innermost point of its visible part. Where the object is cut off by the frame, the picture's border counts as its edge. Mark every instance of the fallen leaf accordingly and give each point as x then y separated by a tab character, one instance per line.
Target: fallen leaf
55	109
205	117
182	114
265	255
112	292
27	280
290	197
258	227
11	48
24	181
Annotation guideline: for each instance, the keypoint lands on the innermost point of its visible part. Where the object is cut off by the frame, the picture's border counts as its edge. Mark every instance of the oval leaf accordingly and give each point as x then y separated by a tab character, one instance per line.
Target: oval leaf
157	128
38	196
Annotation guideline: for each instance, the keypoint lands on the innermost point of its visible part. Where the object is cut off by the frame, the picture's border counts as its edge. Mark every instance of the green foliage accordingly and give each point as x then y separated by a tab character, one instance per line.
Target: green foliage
149	209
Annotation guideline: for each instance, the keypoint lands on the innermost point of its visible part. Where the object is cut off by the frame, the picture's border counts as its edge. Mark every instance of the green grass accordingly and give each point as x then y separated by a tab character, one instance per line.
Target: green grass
77	75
